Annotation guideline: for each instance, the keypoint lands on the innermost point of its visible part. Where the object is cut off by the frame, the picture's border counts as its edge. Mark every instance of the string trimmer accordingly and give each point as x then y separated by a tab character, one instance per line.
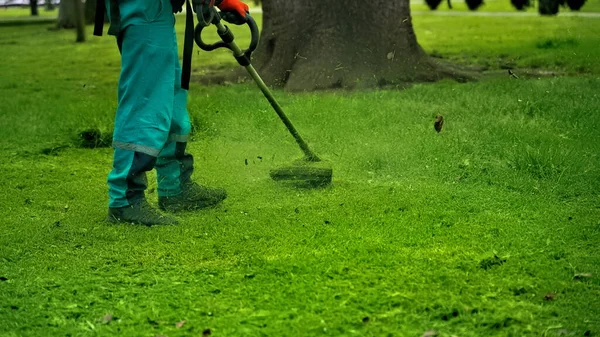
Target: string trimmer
308	171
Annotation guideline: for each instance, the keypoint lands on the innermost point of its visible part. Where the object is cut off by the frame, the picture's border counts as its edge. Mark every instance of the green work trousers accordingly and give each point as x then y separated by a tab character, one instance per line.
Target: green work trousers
152	116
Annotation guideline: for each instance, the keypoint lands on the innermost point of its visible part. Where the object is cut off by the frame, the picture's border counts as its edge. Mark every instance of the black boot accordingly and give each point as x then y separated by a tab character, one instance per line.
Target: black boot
192	195
138	211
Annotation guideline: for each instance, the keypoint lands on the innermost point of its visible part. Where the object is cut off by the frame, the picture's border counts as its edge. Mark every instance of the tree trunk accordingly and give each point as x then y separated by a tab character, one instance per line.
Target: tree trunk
308	45
79	20
66	14
90	11
34	7
49	5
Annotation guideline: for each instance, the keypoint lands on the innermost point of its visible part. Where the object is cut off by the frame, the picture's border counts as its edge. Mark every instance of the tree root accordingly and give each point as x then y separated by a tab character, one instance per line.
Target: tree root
219	76
432	70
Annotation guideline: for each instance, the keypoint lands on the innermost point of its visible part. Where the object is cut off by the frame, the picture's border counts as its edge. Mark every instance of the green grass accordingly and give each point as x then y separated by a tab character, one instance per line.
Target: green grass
25	12
564	44
591	6
404	241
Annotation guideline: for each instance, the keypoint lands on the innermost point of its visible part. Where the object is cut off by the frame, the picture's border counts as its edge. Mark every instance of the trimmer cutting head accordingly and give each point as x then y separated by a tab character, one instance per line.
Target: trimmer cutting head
307	172
304	173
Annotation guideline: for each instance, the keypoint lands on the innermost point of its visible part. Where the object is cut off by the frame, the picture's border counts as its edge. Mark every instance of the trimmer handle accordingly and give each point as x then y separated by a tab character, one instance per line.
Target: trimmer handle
210	15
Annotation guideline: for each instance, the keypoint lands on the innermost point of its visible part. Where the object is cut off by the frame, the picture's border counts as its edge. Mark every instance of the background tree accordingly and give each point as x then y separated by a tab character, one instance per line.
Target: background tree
433	4
310	45
575	5
90	11
552	7
474	4
66	14
70	15
34	7
79	20
521	4
49	5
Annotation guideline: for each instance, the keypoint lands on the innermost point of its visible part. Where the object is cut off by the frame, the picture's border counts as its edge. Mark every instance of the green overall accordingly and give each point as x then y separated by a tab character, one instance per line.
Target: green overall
152	122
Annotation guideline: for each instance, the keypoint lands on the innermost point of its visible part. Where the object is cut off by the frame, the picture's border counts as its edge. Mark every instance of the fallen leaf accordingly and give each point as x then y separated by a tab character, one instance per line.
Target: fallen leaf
519	291
439	122
582	276
488	263
179	324
562	332
550	296
107	318
431	333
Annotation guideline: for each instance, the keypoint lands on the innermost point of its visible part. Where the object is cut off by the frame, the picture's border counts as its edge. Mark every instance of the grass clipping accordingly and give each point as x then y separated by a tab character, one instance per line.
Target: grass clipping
304	173
93	138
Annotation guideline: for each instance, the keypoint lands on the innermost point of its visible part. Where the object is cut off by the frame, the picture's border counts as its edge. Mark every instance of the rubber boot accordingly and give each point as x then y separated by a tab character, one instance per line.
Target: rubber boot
128	182
140	213
176	190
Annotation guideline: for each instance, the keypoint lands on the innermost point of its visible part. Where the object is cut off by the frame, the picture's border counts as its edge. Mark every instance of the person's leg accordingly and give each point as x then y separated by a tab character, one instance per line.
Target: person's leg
128	179
176	189
174	166
143	119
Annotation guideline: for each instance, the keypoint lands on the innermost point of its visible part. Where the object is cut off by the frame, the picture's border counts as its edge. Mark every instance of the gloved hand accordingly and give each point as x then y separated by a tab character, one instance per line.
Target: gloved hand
203	9
233	11
177	5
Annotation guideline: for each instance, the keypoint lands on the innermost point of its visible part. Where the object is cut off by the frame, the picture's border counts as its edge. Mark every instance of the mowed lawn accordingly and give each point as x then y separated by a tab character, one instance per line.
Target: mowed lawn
590	6
489	228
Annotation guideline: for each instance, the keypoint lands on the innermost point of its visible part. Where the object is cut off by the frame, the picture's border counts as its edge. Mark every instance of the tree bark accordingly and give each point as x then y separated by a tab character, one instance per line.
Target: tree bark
34	7
311	45
49	5
79	20
66	14
90	11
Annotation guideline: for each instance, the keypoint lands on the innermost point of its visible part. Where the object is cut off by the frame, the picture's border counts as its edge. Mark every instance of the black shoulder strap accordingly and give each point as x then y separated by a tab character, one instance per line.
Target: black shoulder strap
99	20
188	47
